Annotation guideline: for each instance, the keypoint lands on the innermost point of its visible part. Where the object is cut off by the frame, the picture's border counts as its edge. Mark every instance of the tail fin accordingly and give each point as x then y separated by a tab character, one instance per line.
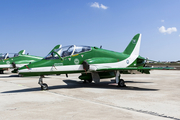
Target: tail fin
134	45
22	52
56	47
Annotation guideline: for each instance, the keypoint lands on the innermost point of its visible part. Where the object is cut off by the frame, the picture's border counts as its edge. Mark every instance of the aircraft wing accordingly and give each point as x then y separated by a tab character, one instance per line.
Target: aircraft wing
140	69
137	68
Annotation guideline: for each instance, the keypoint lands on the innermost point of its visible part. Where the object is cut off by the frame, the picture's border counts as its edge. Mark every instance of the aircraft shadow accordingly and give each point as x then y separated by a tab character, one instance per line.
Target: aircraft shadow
9	76
131	81
71	84
18	76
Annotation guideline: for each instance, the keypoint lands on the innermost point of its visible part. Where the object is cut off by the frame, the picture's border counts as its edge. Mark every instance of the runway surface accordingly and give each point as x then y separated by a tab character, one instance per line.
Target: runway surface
148	97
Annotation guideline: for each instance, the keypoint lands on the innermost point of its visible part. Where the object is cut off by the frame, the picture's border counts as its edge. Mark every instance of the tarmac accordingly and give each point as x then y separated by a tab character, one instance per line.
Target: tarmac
154	96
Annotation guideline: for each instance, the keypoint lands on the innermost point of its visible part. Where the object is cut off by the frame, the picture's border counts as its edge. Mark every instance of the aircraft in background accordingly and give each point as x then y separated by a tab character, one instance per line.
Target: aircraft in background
18	60
7	55
92	62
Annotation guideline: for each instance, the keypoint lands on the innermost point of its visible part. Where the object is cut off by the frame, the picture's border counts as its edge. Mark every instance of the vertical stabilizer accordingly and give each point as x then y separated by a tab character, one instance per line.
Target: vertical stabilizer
22	52
134	46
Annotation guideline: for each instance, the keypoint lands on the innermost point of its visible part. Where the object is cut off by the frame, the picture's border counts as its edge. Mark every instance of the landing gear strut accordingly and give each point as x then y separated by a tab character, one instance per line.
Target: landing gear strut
120	82
44	86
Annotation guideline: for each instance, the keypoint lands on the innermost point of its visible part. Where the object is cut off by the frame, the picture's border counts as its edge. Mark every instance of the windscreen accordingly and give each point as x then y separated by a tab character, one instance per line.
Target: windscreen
67	51
62	52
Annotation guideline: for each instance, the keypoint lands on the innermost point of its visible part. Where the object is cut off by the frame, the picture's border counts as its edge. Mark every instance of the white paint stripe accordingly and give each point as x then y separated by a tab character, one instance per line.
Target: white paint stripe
93	67
20	65
10	65
56	68
121	64
137	47
6	66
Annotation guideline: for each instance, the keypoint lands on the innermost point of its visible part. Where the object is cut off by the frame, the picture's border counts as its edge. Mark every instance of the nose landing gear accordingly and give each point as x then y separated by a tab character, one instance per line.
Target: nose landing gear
44	86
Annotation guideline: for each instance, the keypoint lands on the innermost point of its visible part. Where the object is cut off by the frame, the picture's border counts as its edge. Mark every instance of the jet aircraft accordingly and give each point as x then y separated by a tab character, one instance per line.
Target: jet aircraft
9	55
92	62
19	60
4	56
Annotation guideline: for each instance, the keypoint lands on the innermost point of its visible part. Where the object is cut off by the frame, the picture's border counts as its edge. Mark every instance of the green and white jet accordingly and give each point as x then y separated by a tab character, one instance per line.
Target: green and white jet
18	60
92	62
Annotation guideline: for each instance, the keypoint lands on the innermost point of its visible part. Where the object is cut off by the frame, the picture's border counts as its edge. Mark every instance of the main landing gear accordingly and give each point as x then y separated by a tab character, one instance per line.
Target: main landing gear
44	86
119	81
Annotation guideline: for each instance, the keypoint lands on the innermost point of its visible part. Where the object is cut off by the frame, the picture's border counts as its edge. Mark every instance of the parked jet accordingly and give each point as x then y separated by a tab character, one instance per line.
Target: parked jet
18	60
9	55
92	62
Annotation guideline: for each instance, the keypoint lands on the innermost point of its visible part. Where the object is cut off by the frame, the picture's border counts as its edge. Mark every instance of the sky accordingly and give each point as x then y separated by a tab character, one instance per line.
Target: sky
38	25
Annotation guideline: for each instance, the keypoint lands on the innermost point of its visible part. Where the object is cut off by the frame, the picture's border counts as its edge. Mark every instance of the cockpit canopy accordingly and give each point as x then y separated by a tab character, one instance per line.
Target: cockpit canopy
67	51
7	55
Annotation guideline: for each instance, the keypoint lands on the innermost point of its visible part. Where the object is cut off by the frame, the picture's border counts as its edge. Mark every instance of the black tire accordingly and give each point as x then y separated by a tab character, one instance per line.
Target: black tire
44	86
121	83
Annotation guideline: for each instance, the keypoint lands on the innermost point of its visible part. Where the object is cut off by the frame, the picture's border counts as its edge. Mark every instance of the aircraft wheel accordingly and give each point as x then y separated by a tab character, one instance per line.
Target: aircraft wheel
44	86
121	83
